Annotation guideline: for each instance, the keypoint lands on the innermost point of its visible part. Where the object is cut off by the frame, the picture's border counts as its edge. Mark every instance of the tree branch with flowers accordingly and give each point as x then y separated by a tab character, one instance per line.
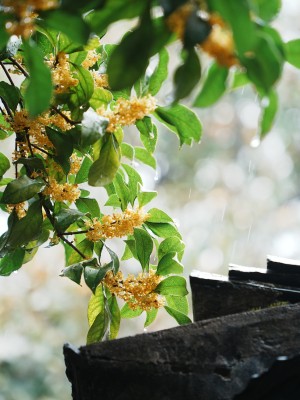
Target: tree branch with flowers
68	119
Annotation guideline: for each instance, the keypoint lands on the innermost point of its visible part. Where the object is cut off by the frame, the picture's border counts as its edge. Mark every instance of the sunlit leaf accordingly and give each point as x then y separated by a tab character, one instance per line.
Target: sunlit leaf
144	247
115	317
127	312
180	318
173	285
151	315
11	262
21	189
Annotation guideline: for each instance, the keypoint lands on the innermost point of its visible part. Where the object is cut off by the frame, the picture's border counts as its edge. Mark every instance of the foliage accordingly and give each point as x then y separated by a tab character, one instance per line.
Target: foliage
68	119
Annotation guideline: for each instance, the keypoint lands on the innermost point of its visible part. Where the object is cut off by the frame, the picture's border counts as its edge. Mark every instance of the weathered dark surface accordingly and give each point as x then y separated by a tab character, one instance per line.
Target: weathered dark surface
285	265
208	360
215	295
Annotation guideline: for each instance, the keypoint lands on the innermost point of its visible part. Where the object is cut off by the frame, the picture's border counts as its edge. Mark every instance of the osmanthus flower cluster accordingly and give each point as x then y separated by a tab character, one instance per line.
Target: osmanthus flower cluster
68	120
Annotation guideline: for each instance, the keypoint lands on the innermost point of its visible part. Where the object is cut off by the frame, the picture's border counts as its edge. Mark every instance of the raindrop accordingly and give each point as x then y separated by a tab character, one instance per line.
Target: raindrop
145	330
15	272
265	102
255	142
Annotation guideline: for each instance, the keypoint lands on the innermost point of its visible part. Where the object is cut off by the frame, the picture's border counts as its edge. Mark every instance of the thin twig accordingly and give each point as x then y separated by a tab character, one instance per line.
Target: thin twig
74	233
8	110
71	245
19	66
67	119
7	74
42	150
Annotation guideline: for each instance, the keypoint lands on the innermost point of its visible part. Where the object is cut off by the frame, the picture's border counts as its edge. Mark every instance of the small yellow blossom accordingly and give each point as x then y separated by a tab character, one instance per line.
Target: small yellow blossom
219	44
19	209
100	80
127	112
62	191
75	162
61	73
25	14
116	225
137	291
91	59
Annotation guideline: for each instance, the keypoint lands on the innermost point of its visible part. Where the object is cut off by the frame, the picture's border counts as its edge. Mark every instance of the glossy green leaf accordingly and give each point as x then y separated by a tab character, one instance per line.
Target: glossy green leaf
96	305
101	97
158	216
145	157
130	250
151	316
129	60
167	265
134	182
93	127
39	91
182	121
170	245
11	94
115	317
178	303
3	35
145	197
144	247
173	285
82	92
66	217
114	260
122	190
239	79
73	272
187	75
82	174
269	106
196	31
98	329
21	189
127	312
93	275
213	87
163	230
292	51
70	23
127	151
104	169
4	164
113	201
180	318
266	10
159	74
85	246
11	262
87	205
148	133
63	147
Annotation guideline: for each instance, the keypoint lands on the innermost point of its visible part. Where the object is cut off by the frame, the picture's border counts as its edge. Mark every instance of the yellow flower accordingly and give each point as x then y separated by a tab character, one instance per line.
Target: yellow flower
91	59
100	80
19	209
116	225
61	73
127	112
62	191
137	291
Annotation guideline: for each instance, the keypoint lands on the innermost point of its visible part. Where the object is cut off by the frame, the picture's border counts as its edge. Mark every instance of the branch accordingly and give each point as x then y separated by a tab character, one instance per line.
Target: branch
19	66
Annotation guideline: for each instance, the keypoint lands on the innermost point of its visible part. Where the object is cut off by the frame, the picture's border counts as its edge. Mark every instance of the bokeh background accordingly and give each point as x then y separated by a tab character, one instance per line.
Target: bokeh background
235	200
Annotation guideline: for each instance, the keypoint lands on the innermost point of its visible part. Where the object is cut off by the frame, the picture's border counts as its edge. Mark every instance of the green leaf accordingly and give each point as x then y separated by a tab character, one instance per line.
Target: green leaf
167	265
11	94
113	201
292	51
87	205
93	127
151	316
11	262
39	91
101	97
239	80
148	133
104	169
269	109
170	245
114	260
96	305
115	317
127	150
180	318
4	164
73	272
4	36
129	60
28	228
196	30
173	285
163	230
145	157
70	23
85	246
94	275
21	189
66	217
82	174
134	181
182	121
158	216
82	92
187	75
264	64
213	87
127	312
144	247
122	190
160	73
98	329
178	303
266	10
145	197
63	147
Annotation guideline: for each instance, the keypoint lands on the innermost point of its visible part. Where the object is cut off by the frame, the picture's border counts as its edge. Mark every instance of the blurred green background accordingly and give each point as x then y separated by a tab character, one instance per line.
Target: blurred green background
234	199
